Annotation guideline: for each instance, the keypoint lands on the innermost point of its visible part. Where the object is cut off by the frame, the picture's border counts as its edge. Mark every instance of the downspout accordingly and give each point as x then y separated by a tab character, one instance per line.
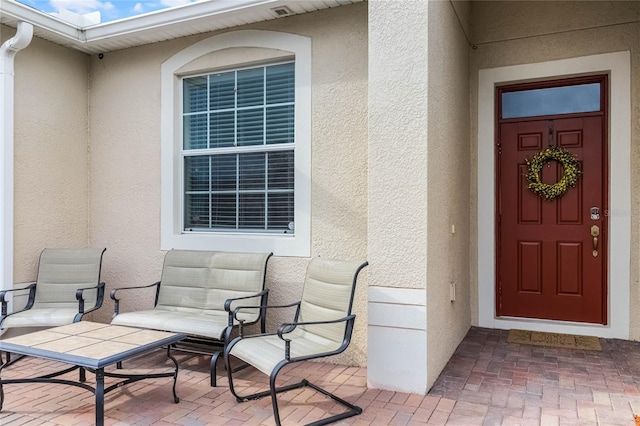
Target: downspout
8	51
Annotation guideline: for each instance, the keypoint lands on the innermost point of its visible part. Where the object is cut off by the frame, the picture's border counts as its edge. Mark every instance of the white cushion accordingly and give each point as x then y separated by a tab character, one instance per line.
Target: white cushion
265	352
41	317
199	324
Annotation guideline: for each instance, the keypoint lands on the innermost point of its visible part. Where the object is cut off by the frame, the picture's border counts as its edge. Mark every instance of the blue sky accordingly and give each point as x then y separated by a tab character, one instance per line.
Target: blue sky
110	10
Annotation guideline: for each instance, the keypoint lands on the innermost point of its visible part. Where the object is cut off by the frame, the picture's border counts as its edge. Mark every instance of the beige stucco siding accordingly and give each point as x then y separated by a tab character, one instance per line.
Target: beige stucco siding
419	183
398	124
125	157
497	21
398	150
448	185
50	158
510	33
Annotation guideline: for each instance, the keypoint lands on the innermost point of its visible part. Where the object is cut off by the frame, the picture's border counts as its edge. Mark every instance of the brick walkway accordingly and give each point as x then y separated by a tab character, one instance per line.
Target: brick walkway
487	382
497	383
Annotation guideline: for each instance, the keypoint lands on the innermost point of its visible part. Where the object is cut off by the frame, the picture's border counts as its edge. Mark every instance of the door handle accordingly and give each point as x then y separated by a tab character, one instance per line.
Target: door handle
595	233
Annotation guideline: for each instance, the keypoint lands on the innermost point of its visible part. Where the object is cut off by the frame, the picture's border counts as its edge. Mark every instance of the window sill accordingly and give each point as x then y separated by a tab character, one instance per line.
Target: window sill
280	245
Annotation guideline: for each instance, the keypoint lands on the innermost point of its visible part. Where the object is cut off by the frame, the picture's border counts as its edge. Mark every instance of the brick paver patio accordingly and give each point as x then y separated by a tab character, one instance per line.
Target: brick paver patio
497	383
487	382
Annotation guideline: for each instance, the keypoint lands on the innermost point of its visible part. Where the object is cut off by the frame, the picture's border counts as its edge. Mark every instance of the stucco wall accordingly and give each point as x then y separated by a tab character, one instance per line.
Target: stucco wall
125	159
448	185
419	182
51	162
398	123
398	151
510	33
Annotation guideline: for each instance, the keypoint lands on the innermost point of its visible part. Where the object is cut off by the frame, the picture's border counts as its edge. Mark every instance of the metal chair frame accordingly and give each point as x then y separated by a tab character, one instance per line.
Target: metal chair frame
283	330
100	289
202	345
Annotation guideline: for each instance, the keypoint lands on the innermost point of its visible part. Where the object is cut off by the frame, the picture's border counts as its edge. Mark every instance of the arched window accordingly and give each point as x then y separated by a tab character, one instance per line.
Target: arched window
236	144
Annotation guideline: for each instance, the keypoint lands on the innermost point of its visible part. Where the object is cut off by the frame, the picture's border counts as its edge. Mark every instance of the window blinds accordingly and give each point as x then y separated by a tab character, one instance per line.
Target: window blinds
238	150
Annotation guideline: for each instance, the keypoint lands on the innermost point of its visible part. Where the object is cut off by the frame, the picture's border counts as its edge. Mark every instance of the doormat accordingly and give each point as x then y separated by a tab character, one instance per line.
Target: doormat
570	341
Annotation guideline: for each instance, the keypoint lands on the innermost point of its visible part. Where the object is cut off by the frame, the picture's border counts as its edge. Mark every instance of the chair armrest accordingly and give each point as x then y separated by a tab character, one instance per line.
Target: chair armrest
228	302
80	298
265	307
263	295
233	316
3	300
116	300
288	327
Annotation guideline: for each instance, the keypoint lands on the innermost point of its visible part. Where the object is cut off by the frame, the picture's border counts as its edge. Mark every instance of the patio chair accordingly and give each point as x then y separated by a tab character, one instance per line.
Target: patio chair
67	288
321	327
196	296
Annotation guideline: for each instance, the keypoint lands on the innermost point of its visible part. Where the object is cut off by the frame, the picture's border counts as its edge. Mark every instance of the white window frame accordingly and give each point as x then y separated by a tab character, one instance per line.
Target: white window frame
172	235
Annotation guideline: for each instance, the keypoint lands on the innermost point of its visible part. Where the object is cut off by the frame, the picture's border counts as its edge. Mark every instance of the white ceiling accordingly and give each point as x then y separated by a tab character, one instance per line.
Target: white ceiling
193	18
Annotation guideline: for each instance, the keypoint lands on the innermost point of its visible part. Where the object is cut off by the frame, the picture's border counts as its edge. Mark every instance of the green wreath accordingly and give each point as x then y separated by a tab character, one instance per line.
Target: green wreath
569	178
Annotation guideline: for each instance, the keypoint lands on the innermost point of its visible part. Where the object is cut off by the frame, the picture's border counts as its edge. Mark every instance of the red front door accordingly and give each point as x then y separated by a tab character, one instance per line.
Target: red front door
549	265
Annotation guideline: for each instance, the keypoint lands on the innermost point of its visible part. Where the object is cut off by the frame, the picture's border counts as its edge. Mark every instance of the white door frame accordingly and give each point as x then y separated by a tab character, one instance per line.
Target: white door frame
618	66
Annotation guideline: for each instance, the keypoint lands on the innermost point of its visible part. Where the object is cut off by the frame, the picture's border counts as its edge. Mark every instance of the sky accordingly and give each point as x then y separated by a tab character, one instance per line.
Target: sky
110	10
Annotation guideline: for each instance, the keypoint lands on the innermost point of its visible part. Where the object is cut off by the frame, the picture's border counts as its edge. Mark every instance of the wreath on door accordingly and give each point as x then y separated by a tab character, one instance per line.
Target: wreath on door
569	178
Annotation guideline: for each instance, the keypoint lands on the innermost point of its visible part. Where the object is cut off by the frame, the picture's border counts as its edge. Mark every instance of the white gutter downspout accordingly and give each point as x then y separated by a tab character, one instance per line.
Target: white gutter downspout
8	51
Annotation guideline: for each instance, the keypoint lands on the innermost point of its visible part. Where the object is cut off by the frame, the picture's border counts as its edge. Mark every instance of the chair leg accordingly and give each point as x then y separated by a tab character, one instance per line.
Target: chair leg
227	366
352	410
212	369
258	395
274	396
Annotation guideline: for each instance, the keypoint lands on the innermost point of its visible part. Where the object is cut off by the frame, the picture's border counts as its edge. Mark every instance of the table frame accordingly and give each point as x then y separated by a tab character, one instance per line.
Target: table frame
95	366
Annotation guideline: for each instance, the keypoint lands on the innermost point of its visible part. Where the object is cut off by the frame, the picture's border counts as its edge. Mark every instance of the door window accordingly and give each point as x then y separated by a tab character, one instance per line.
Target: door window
578	98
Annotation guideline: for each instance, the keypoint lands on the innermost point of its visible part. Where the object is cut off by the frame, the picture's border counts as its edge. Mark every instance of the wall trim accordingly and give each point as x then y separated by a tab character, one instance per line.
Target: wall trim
618	66
397	323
